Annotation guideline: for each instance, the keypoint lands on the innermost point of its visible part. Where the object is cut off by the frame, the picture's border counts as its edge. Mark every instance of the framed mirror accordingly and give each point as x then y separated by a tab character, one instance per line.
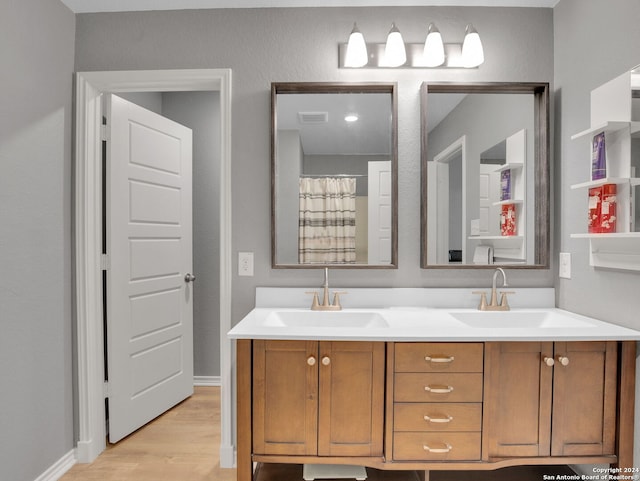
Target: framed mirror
485	175
334	175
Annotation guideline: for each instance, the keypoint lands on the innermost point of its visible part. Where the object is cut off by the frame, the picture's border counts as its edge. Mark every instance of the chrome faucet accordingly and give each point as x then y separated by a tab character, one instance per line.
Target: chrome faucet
326	305
493	302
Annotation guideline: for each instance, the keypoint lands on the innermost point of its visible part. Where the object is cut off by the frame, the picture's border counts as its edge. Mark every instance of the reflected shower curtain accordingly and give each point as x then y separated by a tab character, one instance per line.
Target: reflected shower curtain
327	225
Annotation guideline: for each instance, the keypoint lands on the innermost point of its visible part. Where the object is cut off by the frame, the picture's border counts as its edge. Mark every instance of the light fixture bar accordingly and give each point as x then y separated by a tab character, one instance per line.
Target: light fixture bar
415	53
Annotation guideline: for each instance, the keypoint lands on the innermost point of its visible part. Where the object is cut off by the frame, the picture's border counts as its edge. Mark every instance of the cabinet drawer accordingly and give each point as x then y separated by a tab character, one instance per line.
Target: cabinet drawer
436	446
438	387
438	357
437	417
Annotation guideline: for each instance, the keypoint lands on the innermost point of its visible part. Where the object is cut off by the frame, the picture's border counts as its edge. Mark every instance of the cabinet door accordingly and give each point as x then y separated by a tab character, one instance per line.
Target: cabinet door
285	397
584	399
517	405
351	398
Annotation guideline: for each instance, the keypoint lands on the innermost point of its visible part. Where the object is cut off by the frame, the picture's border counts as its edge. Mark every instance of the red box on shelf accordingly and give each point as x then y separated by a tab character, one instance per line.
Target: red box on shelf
595	197
508	220
602	209
608	209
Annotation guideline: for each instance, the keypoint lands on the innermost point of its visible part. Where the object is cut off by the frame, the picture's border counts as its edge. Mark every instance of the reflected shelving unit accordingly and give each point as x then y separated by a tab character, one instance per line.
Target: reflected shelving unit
612	113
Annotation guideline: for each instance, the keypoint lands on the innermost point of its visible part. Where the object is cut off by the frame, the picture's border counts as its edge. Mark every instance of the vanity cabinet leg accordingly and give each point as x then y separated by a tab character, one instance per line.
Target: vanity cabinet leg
626	404
244	398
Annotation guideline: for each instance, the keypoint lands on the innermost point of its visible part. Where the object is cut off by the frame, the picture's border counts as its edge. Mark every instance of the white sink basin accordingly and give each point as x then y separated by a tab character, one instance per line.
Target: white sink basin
519	320
325	319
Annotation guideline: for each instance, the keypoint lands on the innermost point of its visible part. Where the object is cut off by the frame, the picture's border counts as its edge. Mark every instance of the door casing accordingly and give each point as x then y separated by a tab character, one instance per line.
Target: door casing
89	87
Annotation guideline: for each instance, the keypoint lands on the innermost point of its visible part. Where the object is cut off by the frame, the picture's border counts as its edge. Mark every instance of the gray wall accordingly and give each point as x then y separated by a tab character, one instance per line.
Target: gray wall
36	347
278	45
584	61
200	111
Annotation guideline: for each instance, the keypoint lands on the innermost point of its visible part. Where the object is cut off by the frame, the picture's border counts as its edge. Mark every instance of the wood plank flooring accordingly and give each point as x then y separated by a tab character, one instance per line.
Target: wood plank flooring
184	444
181	445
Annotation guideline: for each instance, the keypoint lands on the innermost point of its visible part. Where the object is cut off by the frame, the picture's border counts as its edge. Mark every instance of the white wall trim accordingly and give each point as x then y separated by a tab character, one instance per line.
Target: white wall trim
88	233
57	469
215	381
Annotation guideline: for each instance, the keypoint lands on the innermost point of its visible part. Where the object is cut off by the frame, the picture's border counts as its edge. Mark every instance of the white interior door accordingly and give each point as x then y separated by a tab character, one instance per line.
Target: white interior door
489	195
379	228
149	246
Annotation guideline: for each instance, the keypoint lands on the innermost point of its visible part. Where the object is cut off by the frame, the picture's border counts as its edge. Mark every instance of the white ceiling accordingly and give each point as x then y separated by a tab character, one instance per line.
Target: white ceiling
84	6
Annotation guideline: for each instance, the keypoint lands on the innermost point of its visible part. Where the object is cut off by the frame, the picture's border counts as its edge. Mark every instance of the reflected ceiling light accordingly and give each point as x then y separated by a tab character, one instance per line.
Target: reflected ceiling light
433	48
356	49
351	117
472	51
394	52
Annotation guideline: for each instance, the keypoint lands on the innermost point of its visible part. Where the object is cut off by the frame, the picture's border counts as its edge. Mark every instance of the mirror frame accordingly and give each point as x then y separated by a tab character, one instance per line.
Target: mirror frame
542	220
327	88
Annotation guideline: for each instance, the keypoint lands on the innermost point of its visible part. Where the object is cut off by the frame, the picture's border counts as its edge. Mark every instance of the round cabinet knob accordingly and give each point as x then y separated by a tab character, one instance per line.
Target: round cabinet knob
326	361
548	361
311	361
189	278
563	360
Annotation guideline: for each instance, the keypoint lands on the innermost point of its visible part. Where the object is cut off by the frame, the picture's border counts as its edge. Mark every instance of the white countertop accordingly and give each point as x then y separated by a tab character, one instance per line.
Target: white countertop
280	315
423	324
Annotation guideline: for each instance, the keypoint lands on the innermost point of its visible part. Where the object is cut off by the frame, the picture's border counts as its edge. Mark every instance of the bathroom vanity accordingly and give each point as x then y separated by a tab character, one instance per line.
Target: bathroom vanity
432	388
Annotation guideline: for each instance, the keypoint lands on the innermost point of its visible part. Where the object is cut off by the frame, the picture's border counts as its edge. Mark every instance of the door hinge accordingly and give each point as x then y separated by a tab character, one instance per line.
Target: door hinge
105	389
104	133
105	262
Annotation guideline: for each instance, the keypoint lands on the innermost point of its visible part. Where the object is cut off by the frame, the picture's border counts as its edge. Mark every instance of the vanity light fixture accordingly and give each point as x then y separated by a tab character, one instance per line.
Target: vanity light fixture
395	54
472	51
433	53
356	49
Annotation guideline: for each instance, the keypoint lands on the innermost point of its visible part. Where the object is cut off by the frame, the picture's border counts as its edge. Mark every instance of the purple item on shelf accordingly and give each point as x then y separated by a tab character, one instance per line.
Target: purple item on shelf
505	185
598	158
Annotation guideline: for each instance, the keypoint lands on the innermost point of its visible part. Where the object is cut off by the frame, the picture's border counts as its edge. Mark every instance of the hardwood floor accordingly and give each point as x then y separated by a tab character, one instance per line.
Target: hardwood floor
182	444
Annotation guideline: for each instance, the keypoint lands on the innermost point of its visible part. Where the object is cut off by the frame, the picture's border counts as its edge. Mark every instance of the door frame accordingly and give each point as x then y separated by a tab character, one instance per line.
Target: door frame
89	87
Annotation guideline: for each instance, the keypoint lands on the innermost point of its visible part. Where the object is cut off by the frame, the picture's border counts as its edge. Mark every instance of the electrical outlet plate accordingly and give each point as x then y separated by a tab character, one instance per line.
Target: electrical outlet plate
245	264
565	265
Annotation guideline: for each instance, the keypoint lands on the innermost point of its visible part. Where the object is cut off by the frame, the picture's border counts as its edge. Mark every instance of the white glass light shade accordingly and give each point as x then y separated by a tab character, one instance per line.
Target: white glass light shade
472	51
356	50
394	52
433	48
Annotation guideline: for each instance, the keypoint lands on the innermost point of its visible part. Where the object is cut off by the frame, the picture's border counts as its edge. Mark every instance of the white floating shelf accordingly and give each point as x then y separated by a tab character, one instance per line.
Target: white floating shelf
613	235
599	182
619	250
608	127
497	237
512	166
513	201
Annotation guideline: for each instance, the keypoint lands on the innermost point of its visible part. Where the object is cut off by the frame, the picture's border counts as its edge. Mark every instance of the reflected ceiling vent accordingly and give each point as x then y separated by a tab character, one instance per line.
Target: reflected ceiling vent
313	117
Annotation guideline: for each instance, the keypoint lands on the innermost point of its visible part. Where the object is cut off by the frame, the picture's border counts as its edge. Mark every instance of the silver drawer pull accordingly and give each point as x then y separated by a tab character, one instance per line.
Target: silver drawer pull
444	450
442	419
442	359
439	389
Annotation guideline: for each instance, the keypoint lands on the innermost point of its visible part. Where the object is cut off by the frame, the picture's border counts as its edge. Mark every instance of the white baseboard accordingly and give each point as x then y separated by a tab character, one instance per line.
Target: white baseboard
227	457
207	381
57	470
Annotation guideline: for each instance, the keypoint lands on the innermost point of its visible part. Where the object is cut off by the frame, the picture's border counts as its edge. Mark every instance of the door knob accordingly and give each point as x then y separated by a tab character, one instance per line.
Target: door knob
189	278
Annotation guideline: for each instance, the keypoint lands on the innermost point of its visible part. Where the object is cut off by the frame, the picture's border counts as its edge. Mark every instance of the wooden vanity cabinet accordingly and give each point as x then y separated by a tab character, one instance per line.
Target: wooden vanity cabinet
550	399
430	406
318	398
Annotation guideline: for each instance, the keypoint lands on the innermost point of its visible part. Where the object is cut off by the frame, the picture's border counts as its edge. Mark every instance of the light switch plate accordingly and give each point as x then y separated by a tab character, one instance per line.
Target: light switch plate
245	264
565	265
